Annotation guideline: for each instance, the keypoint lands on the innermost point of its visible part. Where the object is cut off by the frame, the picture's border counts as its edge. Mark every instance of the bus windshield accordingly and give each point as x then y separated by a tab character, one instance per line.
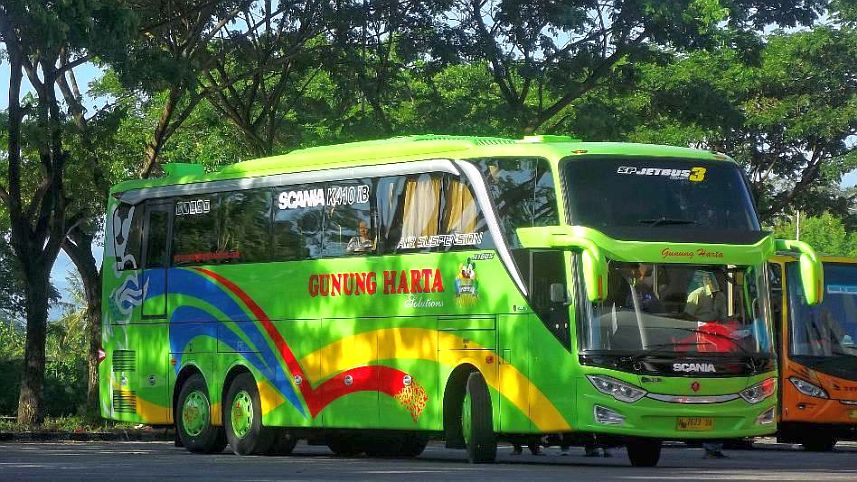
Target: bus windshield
655	199
680	309
828	330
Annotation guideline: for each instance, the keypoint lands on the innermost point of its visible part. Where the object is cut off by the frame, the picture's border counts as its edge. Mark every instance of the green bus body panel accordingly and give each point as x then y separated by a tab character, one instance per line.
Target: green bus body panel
383	359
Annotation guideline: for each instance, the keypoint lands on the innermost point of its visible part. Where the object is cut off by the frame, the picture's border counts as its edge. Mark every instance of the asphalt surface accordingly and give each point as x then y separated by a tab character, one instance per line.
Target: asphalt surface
129	461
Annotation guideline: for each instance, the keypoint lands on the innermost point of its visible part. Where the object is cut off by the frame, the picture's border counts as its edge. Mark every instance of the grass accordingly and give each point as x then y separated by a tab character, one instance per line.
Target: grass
66	424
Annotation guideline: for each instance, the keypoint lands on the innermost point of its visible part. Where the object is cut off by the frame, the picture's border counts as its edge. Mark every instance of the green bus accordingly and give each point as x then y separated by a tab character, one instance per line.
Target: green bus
370	295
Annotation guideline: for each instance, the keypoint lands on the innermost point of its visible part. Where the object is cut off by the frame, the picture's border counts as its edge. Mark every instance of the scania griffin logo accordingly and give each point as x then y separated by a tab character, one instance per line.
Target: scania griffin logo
694	367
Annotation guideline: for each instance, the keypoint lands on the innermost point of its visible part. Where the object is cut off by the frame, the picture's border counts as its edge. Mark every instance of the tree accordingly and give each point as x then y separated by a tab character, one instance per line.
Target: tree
45	42
825	233
545	55
786	115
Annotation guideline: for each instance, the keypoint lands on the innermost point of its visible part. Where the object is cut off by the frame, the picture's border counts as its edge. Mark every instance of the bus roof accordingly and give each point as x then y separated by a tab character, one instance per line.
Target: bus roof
415	147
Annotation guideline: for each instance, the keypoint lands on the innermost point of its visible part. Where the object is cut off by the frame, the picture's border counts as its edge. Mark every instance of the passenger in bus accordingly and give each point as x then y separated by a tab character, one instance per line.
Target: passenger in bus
706	303
362	243
642	295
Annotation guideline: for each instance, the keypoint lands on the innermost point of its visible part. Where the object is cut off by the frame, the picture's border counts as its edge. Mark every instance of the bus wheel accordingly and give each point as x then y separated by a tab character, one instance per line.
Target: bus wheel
644	452
193	423
344	445
243	418
477	421
382	444
819	443
413	445
283	443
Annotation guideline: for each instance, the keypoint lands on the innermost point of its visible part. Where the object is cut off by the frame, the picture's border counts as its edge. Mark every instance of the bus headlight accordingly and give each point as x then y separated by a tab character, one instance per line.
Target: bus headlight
619	390
807	388
759	391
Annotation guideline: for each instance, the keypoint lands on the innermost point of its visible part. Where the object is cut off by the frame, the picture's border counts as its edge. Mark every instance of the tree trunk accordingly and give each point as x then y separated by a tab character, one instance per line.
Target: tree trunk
78	246
37	276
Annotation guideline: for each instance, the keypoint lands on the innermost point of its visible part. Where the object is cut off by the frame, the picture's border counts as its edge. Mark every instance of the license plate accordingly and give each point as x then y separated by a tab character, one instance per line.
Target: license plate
852	413
694	424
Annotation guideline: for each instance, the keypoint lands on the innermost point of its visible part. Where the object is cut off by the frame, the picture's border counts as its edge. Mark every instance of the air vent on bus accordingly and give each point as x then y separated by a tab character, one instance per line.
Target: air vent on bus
124	401
124	361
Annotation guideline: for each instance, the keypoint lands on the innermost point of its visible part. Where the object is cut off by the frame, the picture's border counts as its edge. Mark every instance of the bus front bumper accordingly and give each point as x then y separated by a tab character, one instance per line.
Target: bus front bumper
647	417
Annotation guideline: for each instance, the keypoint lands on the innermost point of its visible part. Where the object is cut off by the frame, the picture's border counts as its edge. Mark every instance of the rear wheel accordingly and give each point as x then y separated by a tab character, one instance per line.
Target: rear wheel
193	421
822	442
644	452
477	421
243	418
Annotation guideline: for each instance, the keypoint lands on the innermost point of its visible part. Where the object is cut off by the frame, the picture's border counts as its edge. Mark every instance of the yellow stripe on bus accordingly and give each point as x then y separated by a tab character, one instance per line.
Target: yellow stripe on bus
419	343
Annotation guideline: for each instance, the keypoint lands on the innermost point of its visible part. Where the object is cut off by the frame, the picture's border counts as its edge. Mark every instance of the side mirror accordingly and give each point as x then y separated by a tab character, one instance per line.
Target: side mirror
557	291
811	270
594	263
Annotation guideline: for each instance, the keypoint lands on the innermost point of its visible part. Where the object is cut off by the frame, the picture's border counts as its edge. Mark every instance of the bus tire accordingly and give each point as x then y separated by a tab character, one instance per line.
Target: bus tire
823	442
242	418
345	445
194	430
413	444
283	442
644	452
477	421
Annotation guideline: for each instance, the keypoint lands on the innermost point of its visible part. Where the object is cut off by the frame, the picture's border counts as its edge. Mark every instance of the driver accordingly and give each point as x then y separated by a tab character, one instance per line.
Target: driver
707	303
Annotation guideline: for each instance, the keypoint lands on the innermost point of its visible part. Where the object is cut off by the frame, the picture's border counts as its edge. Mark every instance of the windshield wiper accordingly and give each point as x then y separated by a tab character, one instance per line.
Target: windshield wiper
663	221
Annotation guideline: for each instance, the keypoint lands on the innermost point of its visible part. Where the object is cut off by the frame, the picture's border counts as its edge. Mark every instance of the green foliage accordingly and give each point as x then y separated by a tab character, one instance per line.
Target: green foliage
825	233
65	369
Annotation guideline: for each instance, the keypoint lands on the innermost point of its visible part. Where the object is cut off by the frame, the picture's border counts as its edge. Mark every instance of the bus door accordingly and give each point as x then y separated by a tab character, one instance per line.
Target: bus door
150	331
542	355
156	231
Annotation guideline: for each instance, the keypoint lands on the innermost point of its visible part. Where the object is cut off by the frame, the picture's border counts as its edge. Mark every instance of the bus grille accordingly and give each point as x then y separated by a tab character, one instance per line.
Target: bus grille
124	401
124	361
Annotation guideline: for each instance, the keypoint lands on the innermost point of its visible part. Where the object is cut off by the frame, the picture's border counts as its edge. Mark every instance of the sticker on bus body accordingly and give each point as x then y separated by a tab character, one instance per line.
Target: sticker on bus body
694	174
842	289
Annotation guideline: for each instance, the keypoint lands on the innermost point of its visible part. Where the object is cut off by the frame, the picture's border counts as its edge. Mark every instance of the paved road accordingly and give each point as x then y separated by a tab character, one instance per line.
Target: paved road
160	460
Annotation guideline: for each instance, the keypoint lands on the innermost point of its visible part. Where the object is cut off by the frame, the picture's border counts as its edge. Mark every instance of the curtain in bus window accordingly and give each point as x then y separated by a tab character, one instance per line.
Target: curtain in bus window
421	208
461	209
127	233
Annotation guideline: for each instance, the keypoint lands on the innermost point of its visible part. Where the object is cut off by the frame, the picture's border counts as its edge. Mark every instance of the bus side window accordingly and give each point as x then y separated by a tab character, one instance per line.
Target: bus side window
195	239
243	228
156	238
409	209
549	293
462	219
349	227
298	213
522	191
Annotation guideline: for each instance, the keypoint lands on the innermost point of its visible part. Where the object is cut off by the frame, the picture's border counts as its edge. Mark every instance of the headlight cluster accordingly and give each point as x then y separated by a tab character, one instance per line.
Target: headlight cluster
760	391
619	390
807	388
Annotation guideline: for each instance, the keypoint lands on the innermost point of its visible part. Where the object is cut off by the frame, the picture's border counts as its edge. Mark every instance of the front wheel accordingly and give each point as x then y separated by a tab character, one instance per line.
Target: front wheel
193	424
477	421
643	452
819	443
243	418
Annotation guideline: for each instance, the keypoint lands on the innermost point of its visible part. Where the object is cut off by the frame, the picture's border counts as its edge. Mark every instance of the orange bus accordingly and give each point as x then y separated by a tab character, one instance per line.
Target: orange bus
817	353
